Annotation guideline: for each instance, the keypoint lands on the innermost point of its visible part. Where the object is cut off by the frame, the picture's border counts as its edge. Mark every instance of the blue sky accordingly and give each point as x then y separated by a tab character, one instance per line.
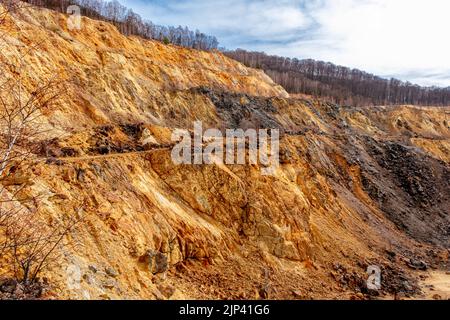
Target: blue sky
407	39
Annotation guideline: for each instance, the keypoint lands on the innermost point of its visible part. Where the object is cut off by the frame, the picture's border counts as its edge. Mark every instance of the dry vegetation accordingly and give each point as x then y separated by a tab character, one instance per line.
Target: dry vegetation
27	242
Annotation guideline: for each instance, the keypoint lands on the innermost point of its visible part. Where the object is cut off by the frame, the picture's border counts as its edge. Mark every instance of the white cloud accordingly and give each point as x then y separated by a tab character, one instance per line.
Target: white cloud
230	18
403	38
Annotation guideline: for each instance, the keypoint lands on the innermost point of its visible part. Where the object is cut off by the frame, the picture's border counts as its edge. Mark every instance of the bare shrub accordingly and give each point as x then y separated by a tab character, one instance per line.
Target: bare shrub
33	244
28	243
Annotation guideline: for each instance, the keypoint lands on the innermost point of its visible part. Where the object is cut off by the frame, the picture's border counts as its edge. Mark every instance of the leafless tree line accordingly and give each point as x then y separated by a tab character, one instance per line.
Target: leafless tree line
130	23
8	6
340	84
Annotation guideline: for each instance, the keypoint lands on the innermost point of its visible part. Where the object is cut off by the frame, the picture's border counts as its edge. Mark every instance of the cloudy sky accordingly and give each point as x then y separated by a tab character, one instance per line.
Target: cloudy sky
406	39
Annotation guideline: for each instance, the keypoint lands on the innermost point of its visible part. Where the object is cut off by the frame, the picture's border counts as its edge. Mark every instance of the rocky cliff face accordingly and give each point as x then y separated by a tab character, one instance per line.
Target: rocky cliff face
356	186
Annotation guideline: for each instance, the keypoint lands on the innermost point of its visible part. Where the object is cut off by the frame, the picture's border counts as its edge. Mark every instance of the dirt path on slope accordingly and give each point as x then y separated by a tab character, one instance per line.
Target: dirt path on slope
109	155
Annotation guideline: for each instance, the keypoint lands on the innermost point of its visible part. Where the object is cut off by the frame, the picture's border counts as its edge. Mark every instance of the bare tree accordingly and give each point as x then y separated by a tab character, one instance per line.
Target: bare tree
19	115
33	243
28	243
6	7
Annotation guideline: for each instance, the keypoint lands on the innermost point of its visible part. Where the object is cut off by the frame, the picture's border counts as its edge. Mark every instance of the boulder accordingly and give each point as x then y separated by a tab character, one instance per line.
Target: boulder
157	261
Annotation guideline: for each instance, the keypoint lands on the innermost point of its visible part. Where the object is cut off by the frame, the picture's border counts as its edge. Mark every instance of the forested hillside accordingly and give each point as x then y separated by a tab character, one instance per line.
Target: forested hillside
322	79
340	84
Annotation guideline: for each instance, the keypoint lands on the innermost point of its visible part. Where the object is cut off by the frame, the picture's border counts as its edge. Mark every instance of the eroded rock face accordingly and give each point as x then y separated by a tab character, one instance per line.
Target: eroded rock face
355	185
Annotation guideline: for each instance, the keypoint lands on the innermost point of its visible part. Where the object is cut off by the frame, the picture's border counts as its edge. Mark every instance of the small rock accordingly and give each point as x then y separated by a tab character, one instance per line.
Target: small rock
104	297
437	297
104	149
89	279
407	286
19	290
8	285
358	296
391	254
157	261
111	272
158	295
93	268
417	264
166	290
109	284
